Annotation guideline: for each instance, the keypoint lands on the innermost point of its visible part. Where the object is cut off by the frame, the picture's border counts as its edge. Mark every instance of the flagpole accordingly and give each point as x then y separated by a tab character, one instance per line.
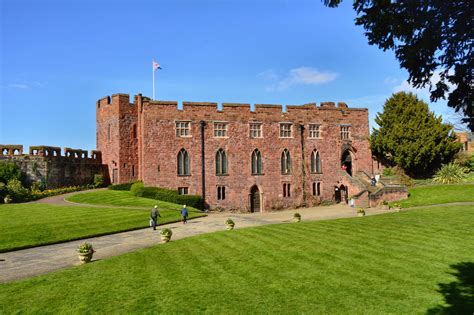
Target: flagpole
153	75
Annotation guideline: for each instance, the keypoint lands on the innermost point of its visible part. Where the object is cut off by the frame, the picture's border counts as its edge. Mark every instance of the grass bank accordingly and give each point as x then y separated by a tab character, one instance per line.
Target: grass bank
122	198
438	194
395	263
29	225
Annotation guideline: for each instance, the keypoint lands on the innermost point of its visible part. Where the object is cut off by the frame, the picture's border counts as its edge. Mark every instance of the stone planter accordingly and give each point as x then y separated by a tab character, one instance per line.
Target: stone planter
229	226
296	219
397	209
165	238
86	257
360	214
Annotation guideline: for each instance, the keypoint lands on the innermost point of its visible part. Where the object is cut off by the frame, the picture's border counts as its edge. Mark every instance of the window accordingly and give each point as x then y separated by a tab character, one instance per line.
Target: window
286	190
345	132
255	130
285	130
314	131
183	162
133	170
285	162
221	162
317	189
257	167
220	129
108	132
315	162
183	129
220	192
182	190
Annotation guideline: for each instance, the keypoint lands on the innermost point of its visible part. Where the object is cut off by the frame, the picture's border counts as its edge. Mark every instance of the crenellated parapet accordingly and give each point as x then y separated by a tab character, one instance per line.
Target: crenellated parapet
44	151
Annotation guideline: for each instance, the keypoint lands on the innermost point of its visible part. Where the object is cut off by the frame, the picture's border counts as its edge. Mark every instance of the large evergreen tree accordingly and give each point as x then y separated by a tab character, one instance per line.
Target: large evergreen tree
412	137
429	37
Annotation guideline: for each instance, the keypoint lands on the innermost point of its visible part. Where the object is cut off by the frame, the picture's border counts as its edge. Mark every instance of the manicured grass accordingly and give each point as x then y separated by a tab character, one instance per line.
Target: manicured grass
438	194
28	225
122	198
386	264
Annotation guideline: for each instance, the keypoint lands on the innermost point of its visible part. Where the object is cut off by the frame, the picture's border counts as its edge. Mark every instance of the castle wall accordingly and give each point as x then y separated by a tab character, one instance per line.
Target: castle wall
156	148
47	165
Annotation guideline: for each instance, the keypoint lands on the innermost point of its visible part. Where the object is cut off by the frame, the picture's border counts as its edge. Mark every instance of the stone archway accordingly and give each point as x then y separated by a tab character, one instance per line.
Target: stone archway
346	162
255	200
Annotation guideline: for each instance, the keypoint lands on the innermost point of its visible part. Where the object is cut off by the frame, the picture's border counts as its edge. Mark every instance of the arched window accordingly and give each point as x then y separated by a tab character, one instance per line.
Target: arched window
221	162
285	162
257	167
183	162
315	162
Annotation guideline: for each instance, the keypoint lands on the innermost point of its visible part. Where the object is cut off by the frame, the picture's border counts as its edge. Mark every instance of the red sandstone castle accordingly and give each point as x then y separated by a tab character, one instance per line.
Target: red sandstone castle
239	158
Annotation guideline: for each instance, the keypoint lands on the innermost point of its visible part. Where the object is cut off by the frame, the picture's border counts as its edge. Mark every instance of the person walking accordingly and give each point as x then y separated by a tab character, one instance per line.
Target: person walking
184	214
154	217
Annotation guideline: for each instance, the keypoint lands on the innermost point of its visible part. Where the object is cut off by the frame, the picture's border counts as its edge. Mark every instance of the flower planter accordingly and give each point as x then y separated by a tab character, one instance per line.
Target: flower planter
296	219
86	257
360	214
165	238
229	226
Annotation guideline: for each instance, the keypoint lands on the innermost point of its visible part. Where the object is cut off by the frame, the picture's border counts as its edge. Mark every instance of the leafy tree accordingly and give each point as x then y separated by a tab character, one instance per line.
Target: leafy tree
427	36
412	137
8	171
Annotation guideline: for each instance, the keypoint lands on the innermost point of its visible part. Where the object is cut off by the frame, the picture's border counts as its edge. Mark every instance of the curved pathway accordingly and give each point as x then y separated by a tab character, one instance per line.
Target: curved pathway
43	259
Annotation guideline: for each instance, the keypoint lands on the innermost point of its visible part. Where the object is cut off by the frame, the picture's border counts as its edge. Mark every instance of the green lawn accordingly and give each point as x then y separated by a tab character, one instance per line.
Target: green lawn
28	225
437	194
396	263
122	198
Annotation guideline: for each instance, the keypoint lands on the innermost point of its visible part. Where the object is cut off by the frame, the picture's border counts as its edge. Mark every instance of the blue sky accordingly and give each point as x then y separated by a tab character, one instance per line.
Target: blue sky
58	57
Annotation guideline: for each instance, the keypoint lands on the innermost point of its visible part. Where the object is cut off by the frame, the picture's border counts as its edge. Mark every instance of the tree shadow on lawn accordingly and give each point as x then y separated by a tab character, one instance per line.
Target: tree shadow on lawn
459	294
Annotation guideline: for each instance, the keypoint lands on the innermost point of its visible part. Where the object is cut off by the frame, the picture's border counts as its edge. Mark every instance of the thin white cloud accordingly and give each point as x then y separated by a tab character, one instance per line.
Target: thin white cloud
16	86
297	76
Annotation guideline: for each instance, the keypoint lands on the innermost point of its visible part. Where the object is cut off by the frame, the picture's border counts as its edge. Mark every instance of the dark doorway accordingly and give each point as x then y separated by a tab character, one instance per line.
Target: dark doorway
346	162
254	199
337	194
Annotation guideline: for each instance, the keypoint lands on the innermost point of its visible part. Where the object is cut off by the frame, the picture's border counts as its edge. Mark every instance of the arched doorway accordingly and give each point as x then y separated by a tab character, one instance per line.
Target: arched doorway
344	192
346	162
255	204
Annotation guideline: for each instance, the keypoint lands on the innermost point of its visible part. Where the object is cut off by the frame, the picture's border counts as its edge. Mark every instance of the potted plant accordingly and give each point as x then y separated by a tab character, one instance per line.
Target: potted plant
85	251
384	205
360	212
296	217
397	206
7	199
165	235
229	224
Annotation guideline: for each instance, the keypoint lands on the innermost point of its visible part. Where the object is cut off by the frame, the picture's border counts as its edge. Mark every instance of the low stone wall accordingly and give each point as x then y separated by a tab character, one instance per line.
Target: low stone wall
46	165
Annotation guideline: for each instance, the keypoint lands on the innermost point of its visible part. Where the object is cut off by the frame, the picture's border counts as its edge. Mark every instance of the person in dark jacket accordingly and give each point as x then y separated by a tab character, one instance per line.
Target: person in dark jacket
154	217
184	214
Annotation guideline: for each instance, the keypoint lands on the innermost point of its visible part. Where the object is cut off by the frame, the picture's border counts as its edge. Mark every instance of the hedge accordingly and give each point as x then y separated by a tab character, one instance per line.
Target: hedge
168	195
124	186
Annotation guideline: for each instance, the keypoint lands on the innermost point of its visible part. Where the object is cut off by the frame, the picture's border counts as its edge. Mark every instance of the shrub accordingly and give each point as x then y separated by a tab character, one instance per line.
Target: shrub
168	195
17	192
9	171
85	248
297	215
471	163
388	171
229	222
450	173
166	232
360	210
124	186
462	158
99	181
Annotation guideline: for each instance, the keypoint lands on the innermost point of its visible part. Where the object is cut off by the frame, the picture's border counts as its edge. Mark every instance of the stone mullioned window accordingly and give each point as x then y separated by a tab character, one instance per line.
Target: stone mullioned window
256	130
285	130
220	129
183	129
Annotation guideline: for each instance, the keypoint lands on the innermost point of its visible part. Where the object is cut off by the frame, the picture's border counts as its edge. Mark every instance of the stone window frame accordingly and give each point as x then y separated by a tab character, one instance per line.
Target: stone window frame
286	133
345	132
257	162
221	163
183	163
255	133
220	129
316	164
285	162
221	191
314	134
286	190
183	128
183	190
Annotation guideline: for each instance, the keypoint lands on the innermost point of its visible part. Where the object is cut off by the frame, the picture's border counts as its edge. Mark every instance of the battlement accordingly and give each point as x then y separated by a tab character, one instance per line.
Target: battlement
16	150
124	99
